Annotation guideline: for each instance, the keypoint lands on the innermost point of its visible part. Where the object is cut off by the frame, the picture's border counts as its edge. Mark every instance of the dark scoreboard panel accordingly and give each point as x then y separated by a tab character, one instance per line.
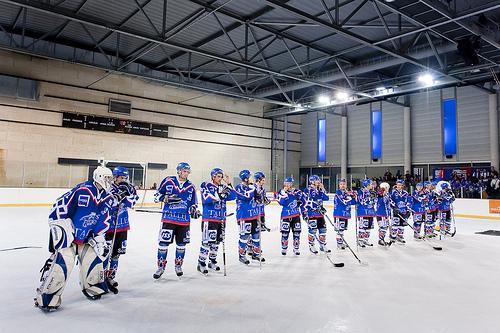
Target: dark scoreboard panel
105	124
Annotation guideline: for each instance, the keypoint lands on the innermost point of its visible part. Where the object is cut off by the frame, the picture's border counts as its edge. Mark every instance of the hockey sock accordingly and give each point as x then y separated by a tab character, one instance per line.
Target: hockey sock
400	231
311	235
180	251
162	256
243	243
204	249
381	233
296	240
367	235
256	244
214	248
322	237
284	240
113	267
340	242
394	232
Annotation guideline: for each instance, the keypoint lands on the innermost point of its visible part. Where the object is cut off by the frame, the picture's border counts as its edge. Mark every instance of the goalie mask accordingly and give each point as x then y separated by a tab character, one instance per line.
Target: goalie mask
104	177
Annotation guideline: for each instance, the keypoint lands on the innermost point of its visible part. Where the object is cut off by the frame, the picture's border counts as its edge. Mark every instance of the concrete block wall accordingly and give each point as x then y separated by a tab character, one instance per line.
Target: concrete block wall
205	130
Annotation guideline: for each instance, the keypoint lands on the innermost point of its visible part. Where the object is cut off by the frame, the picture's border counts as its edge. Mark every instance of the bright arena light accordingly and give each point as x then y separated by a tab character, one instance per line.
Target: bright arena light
342	96
426	79
324	99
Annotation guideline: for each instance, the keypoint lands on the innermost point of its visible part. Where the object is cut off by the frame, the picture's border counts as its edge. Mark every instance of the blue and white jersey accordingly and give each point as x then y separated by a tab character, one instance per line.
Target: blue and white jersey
314	201
246	206
401	200
127	202
432	202
447	198
365	203
342	202
383	205
214	208
292	203
176	213
419	200
88	207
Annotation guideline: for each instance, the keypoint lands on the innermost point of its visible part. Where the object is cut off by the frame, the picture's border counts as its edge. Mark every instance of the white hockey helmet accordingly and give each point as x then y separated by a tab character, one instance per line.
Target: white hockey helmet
103	176
385	186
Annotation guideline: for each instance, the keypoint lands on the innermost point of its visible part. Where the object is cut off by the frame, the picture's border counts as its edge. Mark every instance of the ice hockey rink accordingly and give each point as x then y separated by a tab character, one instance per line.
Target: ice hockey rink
403	288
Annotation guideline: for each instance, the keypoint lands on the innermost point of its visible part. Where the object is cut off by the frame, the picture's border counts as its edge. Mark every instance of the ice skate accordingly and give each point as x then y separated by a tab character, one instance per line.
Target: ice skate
313	249
158	273
178	271
202	268
213	265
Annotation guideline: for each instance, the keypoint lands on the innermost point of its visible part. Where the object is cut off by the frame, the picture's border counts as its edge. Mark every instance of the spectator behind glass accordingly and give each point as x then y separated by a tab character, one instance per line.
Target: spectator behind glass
387	175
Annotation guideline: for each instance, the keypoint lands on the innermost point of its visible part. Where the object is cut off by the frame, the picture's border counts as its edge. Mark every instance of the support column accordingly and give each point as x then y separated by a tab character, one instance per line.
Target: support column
285	148
493	108
343	155
407	139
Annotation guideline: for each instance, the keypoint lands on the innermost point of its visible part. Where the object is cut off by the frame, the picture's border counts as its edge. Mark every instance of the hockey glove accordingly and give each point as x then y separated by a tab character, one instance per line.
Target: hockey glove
224	191
264	227
99	245
305	217
299	202
266	200
194	212
172	199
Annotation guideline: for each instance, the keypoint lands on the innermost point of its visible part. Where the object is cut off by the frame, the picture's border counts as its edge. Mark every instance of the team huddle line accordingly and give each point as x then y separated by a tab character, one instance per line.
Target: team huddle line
90	222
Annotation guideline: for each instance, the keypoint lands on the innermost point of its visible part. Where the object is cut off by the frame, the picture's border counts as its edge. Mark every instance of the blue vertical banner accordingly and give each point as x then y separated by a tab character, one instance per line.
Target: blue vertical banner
321	140
376	134
450	126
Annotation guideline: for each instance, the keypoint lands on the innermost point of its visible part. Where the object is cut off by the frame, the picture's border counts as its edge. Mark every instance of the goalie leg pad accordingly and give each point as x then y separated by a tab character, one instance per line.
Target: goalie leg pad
91	271
55	274
61	234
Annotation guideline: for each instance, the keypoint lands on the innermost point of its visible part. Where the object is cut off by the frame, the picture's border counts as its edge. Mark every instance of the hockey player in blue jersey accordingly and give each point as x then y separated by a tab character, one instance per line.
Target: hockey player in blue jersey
383	212
365	212
342	202
78	222
214	196
400	204
126	197
315	194
445	200
180	205
431	209
262	202
419	200
247	215
292	206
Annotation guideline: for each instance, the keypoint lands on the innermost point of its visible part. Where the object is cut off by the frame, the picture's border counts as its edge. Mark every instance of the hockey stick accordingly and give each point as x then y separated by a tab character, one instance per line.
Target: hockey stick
224	246
335	264
454	223
343	239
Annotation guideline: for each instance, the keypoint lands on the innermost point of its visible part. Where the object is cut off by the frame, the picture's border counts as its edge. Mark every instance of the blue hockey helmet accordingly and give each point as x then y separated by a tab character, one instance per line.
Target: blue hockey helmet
366	182
400	182
259	175
427	183
120	171
342	180
419	185
183	166
434	183
244	175
216	171
314	178
289	180
445	186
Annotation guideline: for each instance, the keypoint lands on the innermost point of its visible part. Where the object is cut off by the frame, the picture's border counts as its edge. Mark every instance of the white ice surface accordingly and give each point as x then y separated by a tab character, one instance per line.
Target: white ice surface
404	288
